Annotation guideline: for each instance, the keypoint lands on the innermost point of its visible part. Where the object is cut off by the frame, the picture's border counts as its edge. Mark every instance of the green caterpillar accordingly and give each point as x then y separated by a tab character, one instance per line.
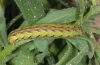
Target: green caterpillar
45	30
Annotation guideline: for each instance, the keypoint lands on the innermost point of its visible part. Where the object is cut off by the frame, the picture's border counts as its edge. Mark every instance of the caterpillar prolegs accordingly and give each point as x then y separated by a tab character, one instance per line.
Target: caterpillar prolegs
45	30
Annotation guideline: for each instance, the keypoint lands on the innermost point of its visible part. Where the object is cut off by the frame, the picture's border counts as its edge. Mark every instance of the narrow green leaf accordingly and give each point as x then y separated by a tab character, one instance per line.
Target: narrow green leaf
78	43
66	56
60	16
3	32
91	46
82	8
77	59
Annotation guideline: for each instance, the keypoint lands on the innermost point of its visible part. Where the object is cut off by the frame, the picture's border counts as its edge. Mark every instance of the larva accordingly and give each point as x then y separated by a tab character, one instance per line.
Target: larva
45	30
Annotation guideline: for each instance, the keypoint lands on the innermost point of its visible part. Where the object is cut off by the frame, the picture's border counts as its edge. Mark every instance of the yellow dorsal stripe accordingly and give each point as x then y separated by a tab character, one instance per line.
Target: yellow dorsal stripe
45	30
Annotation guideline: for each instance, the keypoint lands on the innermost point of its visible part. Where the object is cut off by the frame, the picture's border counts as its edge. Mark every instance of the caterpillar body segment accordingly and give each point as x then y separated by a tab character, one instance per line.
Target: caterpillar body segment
45	30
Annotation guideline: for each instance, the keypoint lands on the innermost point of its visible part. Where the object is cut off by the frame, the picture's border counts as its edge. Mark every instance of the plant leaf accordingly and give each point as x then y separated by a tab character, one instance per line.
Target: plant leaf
3	33
77	59
60	16
32	10
42	44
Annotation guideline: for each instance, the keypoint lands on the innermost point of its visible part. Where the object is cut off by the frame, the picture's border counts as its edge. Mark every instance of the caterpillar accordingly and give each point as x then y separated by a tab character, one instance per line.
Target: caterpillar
45	30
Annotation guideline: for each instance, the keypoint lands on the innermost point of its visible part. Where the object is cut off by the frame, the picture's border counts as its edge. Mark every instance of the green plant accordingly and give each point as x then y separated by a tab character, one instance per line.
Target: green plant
82	50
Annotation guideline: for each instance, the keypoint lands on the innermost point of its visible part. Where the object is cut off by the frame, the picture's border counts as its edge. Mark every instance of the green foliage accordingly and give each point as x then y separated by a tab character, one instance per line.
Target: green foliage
25	57
60	16
3	31
32	10
50	51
